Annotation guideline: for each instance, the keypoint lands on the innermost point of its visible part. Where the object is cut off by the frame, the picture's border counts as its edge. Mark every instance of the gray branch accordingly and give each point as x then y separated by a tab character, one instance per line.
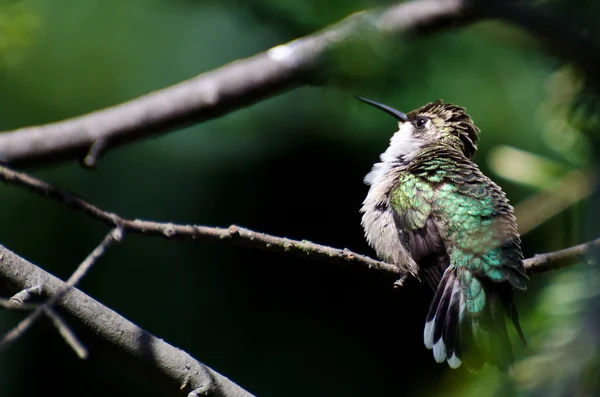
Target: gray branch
556	260
282	68
215	93
113	336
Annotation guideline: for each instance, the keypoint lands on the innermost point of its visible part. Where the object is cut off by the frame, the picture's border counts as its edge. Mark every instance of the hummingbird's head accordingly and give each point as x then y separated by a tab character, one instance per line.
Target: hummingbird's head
436	122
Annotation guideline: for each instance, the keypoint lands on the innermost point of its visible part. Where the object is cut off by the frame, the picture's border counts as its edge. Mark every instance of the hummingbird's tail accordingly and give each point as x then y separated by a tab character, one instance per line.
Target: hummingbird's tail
465	322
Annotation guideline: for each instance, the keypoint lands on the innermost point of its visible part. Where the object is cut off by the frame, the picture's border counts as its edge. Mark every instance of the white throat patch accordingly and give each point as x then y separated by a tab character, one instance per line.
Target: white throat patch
403	145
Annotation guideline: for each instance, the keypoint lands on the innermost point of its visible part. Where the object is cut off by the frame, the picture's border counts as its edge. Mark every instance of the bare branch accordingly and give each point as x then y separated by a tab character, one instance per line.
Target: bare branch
158	363
555	260
242	236
169	230
215	93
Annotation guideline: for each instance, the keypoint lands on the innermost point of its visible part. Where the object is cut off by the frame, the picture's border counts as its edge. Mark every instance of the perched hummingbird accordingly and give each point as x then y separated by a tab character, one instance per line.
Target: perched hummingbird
433	213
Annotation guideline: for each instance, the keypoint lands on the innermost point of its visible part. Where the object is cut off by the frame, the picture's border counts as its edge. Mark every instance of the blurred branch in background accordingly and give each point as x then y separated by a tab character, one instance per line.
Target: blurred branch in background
215	93
158	363
558	188
560	195
564	36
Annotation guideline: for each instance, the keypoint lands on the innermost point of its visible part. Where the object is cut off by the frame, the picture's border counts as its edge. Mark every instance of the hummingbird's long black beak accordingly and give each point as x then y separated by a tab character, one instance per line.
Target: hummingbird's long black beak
398	115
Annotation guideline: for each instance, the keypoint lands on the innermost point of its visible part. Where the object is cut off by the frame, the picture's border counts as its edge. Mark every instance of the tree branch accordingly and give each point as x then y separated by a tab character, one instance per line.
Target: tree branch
282	68
215	93
167	367
556	260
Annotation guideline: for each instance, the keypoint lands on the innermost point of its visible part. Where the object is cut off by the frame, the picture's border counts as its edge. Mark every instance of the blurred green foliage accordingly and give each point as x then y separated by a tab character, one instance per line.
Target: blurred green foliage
293	166
18	26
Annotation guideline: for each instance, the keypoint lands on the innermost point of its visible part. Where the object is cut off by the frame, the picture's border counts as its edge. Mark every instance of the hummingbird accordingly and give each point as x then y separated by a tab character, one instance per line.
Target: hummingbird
434	214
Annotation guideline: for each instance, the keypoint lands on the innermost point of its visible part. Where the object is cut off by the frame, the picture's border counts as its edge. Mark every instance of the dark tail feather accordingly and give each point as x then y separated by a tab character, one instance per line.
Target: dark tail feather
515	320
458	336
429	324
499	348
441	329
511	310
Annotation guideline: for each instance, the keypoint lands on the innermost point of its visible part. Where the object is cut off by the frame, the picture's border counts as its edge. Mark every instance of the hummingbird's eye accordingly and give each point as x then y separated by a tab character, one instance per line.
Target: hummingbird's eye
421	121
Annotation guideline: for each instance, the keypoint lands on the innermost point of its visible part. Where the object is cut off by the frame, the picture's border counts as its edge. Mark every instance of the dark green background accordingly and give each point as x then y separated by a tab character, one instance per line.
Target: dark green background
290	166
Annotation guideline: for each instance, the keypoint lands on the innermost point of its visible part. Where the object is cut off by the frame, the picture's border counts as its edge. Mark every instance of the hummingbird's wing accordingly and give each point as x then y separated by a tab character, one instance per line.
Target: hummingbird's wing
413	204
451	212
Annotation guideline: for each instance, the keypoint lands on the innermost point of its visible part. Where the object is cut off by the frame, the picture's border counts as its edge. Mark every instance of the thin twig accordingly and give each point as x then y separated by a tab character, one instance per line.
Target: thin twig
220	91
247	237
112	237
25	300
169	230
7	304
96	150
67	333
26	297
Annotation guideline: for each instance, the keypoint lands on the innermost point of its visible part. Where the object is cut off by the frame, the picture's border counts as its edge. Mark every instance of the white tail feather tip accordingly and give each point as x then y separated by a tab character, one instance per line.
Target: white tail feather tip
439	351
428	334
454	362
